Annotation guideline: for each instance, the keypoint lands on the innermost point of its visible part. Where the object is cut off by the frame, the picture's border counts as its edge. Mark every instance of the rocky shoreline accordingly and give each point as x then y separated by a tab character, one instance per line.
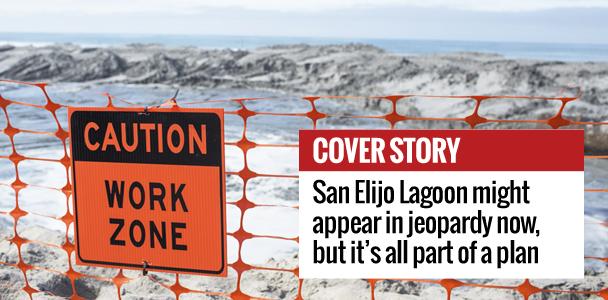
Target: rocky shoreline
354	69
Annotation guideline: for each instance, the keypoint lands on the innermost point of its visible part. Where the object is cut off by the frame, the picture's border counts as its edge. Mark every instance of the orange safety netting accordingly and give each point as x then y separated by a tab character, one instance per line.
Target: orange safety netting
525	288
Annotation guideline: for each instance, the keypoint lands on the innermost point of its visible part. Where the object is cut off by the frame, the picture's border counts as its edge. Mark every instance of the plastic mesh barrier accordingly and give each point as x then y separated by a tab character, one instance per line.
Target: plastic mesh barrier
241	269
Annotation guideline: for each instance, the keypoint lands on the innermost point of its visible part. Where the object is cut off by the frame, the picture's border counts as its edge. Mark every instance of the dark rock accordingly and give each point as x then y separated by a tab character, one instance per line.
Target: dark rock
34	67
102	64
158	68
4	48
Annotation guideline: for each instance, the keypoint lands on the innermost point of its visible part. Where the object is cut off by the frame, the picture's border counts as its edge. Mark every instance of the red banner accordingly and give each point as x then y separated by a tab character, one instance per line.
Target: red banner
442	150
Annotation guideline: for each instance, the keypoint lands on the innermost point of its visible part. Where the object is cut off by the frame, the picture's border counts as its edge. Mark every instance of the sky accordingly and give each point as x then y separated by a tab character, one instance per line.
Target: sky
565	21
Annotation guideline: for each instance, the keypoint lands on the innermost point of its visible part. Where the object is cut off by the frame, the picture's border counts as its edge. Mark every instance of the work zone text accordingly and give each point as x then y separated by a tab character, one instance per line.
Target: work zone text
150	196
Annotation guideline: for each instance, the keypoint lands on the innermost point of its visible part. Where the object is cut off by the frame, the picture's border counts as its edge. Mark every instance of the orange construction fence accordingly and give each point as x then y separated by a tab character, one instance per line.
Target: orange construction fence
179	286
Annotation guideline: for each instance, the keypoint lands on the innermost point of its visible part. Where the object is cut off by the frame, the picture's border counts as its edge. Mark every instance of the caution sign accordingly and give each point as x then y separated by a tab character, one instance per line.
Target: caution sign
149	188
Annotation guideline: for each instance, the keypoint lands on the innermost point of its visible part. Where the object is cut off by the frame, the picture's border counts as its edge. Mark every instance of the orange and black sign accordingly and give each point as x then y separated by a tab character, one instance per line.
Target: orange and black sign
149	188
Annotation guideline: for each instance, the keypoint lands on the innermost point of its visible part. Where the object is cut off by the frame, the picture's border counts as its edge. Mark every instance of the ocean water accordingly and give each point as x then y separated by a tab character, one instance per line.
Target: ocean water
519	50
